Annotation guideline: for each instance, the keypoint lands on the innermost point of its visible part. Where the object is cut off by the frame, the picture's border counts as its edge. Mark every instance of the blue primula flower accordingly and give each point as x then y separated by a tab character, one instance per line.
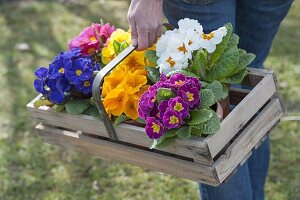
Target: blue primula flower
39	83
85	87
82	69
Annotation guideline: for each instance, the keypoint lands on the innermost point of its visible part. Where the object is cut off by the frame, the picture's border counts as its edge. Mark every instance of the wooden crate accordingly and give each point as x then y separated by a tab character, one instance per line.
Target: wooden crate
210	160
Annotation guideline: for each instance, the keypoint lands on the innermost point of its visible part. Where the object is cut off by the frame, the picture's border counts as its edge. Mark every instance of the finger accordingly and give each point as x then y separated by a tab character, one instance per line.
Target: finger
152	38
143	39
158	33
134	35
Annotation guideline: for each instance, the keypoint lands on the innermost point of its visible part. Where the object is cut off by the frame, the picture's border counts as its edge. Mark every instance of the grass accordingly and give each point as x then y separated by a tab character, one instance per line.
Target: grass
31	169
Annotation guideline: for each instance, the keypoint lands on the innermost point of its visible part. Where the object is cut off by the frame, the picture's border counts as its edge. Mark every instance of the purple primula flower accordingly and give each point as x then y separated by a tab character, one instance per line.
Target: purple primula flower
194	81
172	119
189	94
178	105
154	128
162	107
155	113
177	80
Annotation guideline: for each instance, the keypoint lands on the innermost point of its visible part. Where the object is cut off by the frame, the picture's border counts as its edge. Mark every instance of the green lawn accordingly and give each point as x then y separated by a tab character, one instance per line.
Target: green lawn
30	169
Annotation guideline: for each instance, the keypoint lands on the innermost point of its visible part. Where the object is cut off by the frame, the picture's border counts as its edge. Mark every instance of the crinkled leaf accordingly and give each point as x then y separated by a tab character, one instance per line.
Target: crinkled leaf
211	126
117	47
151	56
120	119
93	111
42	102
141	121
166	142
222	46
245	58
199	116
236	78
207	98
153	74
164	94
217	88
59	107
123	46
196	132
165	139
200	64
76	107
226	65
184	132
168	26
233	41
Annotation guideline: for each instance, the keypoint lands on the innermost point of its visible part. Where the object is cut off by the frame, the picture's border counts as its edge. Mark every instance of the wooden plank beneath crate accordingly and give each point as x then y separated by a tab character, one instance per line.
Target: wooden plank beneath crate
132	155
248	139
241	114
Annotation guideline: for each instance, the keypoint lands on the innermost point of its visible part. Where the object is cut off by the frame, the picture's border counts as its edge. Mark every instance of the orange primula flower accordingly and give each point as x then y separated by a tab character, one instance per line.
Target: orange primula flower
116	100
113	80
135	81
131	108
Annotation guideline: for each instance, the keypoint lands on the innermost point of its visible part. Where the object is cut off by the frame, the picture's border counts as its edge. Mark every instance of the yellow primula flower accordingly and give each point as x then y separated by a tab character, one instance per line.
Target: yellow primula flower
116	100
131	108
135	81
111	81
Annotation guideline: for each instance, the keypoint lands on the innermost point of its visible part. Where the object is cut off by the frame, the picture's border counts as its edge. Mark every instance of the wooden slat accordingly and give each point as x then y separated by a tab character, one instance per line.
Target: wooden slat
241	114
132	155
247	140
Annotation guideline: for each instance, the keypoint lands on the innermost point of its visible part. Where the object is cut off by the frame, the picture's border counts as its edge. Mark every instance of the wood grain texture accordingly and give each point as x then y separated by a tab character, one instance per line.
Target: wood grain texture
124	153
241	114
248	139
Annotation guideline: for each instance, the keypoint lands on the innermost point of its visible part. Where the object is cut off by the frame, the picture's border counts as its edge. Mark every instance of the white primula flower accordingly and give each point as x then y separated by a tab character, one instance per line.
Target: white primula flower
187	24
209	41
192	40
163	41
177	46
171	62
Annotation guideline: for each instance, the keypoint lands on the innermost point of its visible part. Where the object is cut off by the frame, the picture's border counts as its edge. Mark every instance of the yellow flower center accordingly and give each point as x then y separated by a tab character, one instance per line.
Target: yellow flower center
174	120
190	96
208	36
86	83
178	82
178	106
171	61
156	128
190	42
91	50
93	38
78	72
61	70
182	49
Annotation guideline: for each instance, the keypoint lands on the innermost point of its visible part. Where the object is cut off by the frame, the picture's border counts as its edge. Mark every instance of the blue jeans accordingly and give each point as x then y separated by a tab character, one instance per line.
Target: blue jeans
256	22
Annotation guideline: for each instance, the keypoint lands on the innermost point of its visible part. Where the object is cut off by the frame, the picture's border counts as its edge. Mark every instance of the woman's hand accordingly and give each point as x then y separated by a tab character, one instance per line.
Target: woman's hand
145	18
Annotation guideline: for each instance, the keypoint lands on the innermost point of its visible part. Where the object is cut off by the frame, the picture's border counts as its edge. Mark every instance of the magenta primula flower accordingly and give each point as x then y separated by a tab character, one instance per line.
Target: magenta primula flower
154	128
162	107
190	94
179	106
92	38
172	119
177	79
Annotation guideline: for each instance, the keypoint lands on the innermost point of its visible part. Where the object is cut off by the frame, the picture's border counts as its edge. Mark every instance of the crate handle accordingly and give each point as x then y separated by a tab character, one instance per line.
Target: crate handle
97	89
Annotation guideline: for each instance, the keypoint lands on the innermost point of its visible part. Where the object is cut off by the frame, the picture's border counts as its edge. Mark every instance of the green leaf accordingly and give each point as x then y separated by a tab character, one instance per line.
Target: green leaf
166	142
168	26
245	58
184	132
217	88
226	65
141	121
165	139
76	107
220	49
211	126
59	107
236	78
153	74
199	116
233	41
196	132
93	111
151	56
164	94
200	64
120	119
207	98
123	46
117	47
42	102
